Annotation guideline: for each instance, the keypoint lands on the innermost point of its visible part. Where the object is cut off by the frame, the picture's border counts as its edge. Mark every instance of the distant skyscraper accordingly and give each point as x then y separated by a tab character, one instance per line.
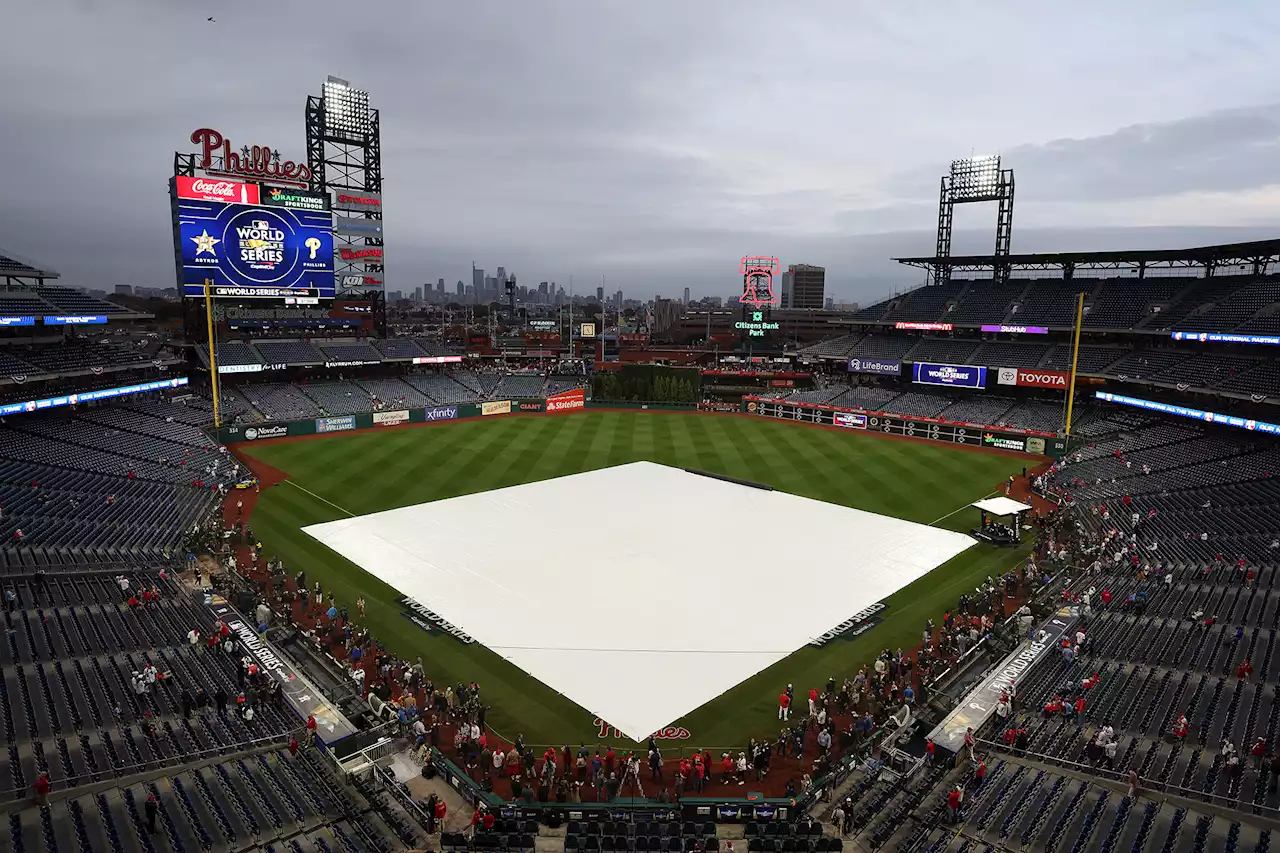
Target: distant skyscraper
440	286
417	291
477	279
808	285
788	285
600	295
462	288
686	296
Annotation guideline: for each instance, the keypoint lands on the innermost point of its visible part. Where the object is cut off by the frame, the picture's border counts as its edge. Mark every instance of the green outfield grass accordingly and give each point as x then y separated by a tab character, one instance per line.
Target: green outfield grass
368	472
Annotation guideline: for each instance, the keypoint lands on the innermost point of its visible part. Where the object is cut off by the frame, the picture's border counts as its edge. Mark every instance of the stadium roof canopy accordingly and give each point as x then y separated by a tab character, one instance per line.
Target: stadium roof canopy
14	267
1258	252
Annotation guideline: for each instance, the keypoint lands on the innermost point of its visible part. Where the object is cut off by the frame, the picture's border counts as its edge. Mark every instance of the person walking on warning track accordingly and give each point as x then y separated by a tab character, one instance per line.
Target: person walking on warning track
784	706
813	701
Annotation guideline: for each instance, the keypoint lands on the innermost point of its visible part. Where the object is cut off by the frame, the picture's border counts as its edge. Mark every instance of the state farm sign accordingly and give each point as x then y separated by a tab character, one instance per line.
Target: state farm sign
216	189
1042	378
575	399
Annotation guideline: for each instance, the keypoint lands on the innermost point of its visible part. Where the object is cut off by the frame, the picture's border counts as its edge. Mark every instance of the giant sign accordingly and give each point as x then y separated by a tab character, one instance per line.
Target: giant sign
356	200
877	366
216	189
217	157
295	199
978	707
254	251
955	375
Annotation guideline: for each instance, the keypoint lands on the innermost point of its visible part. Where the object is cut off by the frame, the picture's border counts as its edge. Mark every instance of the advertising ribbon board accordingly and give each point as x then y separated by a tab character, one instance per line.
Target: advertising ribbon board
877	366
496	407
440	413
532	406
849	420
955	375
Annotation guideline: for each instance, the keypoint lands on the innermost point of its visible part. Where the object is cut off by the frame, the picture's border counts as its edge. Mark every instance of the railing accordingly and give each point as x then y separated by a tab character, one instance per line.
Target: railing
175	764
1233	803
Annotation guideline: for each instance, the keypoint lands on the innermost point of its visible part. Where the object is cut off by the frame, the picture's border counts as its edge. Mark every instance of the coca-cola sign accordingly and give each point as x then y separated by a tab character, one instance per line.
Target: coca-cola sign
217	189
251	161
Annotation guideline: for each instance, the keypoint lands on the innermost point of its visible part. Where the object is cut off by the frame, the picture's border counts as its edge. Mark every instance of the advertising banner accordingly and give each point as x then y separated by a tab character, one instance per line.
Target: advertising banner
391	418
849	420
239	368
1225	338
264	431
1017	330
854	626
923	327
338	424
532	406
17	321
361	255
1177	411
75	319
437	359
361	280
350	226
1000	442
954	375
569	400
876	366
496	407
1037	378
356	200
1007	376
976	708
86	396
216	189
295	198
440	413
254	251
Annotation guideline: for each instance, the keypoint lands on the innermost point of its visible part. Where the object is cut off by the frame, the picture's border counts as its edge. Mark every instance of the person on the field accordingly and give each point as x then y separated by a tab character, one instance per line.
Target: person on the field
784	706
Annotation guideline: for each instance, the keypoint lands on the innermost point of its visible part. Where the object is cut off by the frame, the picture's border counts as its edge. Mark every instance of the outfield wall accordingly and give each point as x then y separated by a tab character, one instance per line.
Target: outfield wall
971	435
367	420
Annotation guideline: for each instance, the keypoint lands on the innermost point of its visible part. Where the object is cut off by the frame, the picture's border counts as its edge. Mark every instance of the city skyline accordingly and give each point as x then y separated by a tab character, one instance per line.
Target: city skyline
571	157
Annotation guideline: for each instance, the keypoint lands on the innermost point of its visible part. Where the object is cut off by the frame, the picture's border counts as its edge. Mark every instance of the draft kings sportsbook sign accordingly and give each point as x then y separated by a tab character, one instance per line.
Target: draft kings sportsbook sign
567	401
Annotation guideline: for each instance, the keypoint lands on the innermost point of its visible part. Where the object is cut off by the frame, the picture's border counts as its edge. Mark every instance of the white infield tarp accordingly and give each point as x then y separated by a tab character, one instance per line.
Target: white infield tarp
640	592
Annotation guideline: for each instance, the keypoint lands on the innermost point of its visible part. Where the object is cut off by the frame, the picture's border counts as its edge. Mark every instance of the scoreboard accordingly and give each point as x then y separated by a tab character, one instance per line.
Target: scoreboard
252	241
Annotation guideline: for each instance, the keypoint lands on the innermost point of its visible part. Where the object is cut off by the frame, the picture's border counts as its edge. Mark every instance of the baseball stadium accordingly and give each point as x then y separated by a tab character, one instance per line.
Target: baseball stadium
292	565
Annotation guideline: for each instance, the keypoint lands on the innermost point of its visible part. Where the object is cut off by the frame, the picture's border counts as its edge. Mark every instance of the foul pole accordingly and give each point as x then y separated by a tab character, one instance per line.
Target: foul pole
213	358
1075	361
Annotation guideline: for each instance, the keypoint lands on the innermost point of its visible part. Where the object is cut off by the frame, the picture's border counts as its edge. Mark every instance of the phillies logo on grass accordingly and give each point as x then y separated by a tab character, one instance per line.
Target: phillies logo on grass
604	730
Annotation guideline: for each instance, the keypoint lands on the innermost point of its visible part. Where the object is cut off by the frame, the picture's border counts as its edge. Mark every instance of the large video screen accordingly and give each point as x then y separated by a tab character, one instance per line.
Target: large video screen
254	251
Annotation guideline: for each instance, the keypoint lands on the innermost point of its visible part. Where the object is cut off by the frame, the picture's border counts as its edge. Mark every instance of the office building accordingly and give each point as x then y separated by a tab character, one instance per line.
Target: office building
600	295
477	280
440	286
808	286
788	285
462	288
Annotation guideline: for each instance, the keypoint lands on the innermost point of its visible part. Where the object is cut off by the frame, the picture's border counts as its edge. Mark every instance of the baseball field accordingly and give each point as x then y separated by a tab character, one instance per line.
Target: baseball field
340	476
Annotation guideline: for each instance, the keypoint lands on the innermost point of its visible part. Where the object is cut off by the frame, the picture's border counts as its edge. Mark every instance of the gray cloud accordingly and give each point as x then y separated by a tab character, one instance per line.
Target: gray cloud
652	143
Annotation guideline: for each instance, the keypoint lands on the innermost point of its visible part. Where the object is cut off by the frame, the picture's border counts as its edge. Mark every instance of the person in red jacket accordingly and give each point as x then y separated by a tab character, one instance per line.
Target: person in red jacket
441	811
954	799
1259	753
42	787
1106	596
293	746
813	702
311	729
784	706
979	773
1244	670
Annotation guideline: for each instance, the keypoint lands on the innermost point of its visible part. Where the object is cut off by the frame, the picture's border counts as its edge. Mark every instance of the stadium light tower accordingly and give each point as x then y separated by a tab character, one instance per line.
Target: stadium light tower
975	179
344	153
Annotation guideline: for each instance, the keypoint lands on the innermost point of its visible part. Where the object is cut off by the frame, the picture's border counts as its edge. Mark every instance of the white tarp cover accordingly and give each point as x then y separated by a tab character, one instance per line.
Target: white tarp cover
640	592
1001	506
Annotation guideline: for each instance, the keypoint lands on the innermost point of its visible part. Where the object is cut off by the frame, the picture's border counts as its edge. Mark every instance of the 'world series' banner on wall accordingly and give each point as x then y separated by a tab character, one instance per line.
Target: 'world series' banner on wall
972	435
953	375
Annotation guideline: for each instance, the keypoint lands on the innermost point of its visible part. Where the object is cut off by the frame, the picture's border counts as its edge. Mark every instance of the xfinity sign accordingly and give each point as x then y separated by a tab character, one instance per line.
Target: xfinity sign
875	366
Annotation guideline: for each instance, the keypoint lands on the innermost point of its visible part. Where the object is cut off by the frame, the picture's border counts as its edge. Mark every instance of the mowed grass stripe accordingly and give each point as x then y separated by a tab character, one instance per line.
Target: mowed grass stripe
374	471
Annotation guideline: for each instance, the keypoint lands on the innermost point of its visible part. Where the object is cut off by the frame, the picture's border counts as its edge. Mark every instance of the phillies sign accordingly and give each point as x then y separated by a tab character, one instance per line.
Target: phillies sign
216	189
250	161
604	730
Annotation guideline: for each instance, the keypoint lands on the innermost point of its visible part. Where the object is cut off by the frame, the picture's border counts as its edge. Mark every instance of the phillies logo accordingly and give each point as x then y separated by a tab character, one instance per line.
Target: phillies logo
357	254
256	161
604	730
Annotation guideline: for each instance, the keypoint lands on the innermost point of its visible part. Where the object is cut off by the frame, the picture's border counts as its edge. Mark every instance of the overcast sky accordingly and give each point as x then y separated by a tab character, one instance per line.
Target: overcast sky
655	142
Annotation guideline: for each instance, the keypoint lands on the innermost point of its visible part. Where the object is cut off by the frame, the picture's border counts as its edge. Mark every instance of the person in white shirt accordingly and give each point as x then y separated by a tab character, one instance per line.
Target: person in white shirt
193	639
499	761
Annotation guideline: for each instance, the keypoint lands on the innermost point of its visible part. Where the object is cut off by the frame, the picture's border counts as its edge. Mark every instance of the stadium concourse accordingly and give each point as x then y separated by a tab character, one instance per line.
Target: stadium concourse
792	762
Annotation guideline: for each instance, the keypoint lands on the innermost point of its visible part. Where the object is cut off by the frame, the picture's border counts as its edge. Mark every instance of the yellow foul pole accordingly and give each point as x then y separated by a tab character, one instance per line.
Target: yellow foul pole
213	356
1075	360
